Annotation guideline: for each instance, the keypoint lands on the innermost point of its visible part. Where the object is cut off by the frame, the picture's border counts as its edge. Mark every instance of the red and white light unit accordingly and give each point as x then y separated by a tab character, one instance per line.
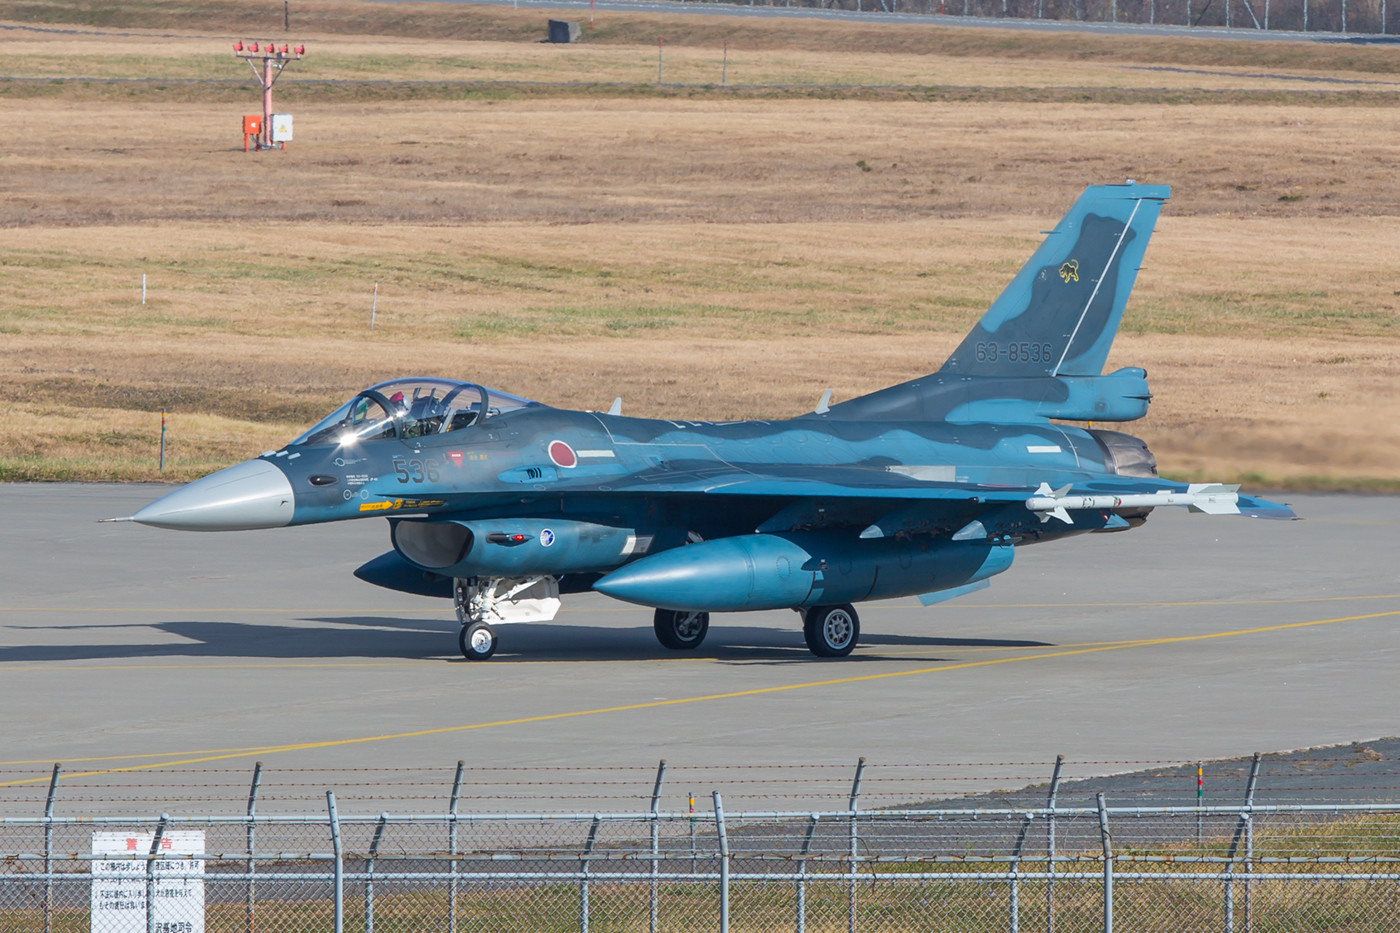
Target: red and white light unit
270	130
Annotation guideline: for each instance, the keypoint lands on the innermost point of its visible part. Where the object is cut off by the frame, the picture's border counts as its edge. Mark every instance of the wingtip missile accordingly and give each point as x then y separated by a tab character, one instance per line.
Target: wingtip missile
1209	498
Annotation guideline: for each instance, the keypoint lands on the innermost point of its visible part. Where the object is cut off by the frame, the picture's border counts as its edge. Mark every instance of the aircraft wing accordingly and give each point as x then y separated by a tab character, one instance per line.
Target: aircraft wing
1053	496
896	482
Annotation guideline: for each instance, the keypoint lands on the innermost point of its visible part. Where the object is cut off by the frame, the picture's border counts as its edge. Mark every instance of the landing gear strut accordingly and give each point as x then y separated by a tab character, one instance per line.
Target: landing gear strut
482	601
680	630
831	631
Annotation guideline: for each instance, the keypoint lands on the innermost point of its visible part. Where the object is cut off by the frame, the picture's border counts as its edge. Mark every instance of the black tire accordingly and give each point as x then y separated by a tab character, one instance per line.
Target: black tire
478	641
831	631
680	630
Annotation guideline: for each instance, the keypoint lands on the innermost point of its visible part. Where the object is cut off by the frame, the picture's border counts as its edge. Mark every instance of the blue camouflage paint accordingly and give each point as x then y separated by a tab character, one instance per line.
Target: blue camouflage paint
917	489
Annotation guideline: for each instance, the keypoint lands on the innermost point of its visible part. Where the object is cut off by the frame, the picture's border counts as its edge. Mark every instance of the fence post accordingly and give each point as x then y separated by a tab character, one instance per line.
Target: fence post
250	838
690	796
369	872
1200	802
1107	841
723	863
802	875
151	873
1249	842
338	887
1243	831
1015	871
452	847
1050	845
583	882
48	847
851	816
655	841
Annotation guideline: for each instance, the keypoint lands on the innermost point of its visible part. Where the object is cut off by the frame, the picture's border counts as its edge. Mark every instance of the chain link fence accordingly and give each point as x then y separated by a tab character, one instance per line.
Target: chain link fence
1337	17
1139	868
1073	869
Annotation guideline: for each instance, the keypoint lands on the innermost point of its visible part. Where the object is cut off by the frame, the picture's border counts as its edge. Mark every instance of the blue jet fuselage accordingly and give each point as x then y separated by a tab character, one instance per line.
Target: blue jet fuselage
923	488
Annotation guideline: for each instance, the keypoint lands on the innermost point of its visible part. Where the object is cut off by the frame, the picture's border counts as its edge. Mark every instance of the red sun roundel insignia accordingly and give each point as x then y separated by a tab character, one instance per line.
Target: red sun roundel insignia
562	454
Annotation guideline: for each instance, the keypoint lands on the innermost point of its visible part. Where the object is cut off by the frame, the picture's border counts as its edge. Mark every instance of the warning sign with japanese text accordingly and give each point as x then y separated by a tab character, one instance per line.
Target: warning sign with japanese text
120	883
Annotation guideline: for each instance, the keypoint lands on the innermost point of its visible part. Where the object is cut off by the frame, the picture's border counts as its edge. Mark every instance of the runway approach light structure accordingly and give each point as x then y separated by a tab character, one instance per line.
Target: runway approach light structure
270	130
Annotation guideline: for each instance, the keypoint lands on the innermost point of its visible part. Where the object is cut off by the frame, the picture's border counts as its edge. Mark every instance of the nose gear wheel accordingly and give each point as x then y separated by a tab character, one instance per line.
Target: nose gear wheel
477	641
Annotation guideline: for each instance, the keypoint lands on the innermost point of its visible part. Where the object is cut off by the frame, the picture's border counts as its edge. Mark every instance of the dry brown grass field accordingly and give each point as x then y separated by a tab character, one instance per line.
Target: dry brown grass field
698	251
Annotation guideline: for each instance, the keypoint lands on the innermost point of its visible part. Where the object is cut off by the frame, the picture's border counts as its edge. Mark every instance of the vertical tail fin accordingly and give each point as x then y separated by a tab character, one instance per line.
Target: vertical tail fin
1060	313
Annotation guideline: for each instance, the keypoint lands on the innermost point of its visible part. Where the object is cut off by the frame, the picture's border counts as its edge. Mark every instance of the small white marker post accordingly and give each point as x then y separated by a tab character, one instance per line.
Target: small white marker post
373	305
658	59
143	288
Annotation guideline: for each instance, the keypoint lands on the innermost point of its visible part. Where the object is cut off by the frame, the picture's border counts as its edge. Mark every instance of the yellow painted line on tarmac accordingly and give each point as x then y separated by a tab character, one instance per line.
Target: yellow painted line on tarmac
69	761
193	758
1184	604
318	610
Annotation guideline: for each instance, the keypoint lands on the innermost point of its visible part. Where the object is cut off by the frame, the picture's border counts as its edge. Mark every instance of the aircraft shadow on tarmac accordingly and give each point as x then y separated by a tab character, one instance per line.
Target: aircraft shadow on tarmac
386	638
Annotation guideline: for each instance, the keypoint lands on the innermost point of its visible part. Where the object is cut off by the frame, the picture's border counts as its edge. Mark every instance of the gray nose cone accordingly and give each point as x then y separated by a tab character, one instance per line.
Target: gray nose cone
253	494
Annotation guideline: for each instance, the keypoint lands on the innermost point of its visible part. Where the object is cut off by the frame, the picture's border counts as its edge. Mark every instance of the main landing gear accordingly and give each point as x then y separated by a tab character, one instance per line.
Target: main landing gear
680	630
482	603
831	631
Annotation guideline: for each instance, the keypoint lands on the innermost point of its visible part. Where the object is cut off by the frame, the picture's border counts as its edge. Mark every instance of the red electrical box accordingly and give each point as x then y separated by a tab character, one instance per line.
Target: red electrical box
252	126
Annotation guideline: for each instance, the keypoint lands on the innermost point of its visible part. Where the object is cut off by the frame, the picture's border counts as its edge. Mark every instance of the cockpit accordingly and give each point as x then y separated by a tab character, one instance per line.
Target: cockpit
409	408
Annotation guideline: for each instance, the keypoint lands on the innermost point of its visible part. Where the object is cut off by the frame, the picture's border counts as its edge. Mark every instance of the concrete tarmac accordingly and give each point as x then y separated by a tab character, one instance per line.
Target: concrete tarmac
1191	638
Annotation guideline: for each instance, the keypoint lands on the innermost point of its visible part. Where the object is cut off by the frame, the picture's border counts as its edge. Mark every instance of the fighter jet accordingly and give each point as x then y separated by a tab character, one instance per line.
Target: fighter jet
924	489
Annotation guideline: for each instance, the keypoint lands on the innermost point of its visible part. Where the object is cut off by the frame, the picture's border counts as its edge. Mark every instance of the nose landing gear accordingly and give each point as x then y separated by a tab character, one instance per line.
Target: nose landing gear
480	601
477	641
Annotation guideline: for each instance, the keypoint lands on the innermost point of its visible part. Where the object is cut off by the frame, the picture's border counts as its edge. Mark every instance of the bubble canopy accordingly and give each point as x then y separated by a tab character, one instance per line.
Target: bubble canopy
409	408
